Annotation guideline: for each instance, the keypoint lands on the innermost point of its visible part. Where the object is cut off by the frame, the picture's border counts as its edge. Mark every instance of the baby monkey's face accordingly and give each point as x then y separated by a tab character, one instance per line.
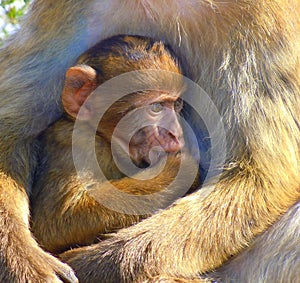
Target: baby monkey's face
148	128
162	134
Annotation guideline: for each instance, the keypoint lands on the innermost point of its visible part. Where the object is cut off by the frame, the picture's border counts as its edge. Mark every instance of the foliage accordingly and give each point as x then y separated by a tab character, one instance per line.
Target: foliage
10	13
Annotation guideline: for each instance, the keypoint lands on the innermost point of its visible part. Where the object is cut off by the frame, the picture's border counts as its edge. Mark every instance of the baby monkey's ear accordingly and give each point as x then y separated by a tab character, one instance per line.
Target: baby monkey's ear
80	82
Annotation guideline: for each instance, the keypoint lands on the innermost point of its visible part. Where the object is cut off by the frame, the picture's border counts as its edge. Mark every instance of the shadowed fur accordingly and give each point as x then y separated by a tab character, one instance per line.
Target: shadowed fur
245	55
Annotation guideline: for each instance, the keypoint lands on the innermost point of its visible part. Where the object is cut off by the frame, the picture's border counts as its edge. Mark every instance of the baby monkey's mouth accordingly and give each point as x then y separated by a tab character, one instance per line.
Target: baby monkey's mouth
151	144
150	158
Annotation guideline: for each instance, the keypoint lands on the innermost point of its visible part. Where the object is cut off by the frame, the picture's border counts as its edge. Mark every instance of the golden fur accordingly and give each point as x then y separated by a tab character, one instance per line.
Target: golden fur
245	55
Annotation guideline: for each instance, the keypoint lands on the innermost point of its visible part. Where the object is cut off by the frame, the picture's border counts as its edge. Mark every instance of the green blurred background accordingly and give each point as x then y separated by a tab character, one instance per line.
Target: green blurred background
10	13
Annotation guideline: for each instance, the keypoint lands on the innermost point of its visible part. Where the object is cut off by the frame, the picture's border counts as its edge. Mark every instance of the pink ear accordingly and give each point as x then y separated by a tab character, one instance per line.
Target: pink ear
80	82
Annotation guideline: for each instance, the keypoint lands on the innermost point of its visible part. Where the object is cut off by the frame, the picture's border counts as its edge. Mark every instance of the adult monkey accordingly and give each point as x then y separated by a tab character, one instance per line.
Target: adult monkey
245	54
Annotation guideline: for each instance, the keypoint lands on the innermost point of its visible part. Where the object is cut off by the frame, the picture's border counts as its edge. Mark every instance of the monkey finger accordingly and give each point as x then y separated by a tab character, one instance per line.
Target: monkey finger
65	273
68	276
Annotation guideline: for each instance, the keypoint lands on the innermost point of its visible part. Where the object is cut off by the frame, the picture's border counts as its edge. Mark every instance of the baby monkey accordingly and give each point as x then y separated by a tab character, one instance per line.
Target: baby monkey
69	210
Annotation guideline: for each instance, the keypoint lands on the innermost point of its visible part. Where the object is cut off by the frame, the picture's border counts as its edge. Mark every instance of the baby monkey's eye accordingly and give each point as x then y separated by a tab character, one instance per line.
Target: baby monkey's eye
156	107
178	105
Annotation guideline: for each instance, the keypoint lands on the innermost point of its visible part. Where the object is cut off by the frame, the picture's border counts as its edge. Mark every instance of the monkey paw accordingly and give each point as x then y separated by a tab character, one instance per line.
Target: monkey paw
96	263
44	267
62	271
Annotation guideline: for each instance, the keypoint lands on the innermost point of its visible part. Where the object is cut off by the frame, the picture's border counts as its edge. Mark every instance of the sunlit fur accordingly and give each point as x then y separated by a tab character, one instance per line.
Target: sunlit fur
68	210
245	54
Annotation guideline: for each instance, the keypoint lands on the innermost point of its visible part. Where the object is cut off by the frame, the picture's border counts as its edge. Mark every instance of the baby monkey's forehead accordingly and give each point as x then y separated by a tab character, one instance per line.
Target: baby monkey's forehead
162	95
172	94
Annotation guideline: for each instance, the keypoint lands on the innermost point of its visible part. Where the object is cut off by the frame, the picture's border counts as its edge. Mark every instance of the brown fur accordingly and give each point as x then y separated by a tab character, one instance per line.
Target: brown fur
64	213
245	54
